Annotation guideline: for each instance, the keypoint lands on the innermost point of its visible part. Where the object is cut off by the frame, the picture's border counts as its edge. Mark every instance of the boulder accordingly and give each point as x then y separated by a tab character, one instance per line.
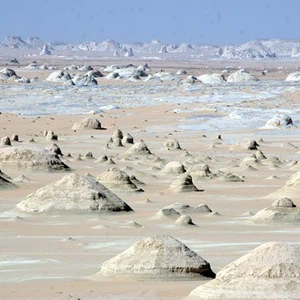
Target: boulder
183	183
280	121
270	271
157	257
242	75
87	123
172	144
59	76
293	77
31	159
116	179
73	193
282	211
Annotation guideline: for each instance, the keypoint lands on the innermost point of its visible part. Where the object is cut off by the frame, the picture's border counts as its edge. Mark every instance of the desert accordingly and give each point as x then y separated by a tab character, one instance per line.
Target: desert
149	174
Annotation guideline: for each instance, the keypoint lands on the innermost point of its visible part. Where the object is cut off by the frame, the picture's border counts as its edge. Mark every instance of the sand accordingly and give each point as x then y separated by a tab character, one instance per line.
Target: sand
59	253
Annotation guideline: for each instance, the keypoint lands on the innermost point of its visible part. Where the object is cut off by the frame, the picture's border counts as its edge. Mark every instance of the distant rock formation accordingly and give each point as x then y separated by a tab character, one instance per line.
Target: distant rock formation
280	121
293	77
241	75
129	53
45	50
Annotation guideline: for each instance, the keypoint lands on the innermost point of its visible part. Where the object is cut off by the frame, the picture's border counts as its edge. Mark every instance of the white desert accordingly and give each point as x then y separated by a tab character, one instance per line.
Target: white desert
149	170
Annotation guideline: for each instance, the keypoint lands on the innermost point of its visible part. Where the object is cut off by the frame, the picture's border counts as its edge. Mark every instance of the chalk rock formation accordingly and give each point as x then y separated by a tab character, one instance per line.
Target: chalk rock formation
270	271
282	211
183	183
241	75
87	123
84	80
45	50
73	193
184	220
157	257
293	77
172	144
280	121
31	159
139	148
212	78
174	167
116	179
59	76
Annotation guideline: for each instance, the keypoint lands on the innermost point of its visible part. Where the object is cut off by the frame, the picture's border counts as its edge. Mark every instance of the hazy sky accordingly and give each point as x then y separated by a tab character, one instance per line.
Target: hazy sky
171	21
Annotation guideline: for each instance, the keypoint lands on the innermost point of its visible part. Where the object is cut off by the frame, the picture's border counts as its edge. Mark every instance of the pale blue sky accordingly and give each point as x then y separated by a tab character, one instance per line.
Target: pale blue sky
171	21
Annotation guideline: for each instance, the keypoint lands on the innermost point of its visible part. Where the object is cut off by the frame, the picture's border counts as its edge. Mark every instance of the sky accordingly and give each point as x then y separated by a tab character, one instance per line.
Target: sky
170	21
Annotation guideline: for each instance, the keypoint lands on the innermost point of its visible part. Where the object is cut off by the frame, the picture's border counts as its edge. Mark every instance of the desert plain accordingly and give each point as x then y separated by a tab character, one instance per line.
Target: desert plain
55	254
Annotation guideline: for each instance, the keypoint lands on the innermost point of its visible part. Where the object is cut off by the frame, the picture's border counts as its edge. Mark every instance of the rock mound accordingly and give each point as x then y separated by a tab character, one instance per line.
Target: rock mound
282	211
174	167
157	257
59	76
270	271
139	148
31	159
183	183
172	144
280	121
87	123
241	75
293	77
212	78
119	180
73	193
184	221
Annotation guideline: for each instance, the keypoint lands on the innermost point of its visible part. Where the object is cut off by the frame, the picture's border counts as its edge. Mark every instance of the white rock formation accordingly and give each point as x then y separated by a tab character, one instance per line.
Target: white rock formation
171	144
282	211
45	50
157	257
87	123
139	148
84	80
270	271
59	76
31	159
280	121
174	167
73	193
293	77
241	75
183	183
119	180
212	78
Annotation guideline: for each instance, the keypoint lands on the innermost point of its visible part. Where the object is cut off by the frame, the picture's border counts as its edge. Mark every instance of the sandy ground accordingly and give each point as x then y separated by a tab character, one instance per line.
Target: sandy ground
55	256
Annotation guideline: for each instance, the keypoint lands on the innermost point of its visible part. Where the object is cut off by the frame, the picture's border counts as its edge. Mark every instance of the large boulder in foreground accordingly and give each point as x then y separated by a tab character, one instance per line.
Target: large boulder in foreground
32	159
157	257
73	193
270	271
